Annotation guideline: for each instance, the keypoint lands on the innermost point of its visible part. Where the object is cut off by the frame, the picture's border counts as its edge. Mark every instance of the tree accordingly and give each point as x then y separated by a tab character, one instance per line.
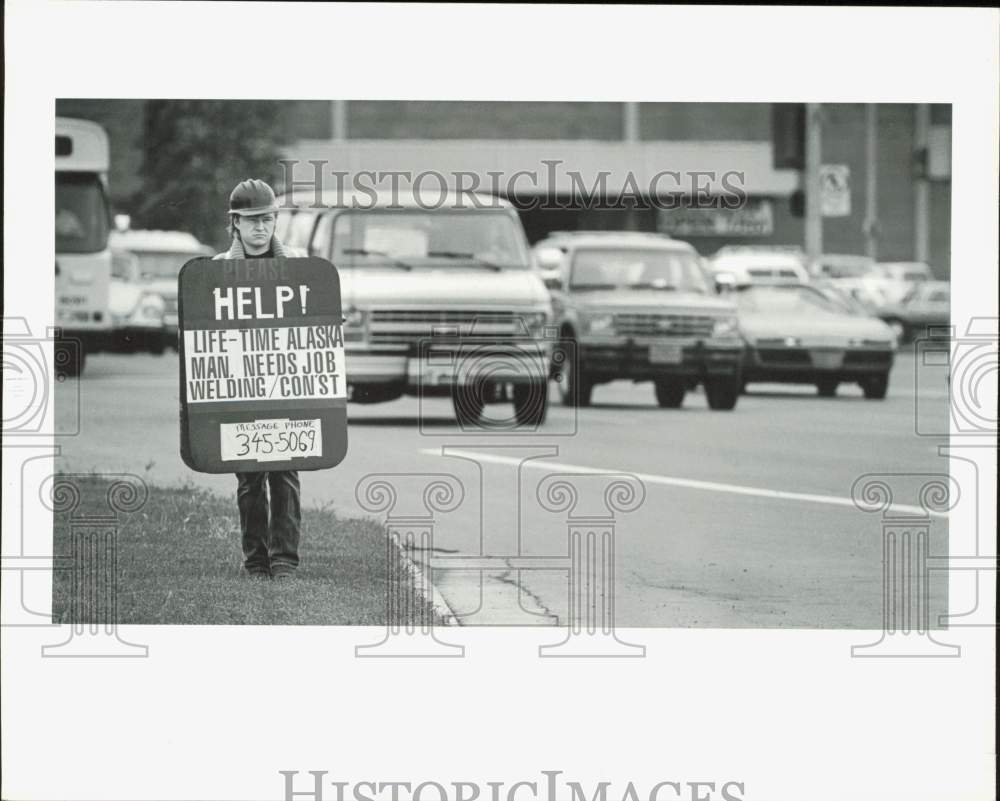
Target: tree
196	151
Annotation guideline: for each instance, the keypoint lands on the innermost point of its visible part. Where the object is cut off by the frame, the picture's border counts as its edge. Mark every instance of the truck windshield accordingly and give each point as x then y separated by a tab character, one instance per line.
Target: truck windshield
636	268
81	213
153	264
420	238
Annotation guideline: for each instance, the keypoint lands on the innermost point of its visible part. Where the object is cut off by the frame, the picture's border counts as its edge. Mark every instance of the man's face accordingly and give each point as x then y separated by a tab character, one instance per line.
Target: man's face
256	230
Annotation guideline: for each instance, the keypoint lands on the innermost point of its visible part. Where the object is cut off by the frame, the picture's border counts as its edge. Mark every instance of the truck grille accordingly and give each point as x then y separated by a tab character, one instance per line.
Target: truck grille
410	326
663	325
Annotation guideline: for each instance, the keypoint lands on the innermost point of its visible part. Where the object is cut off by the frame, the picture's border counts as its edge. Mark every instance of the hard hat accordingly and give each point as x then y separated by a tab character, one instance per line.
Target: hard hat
252	196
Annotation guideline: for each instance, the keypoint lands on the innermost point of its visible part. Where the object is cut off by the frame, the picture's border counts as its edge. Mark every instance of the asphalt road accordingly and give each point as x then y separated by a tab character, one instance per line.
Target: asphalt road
745	518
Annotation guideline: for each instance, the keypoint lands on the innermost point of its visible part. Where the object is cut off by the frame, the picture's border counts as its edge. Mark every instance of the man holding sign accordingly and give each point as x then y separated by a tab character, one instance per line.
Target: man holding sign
262	375
270	547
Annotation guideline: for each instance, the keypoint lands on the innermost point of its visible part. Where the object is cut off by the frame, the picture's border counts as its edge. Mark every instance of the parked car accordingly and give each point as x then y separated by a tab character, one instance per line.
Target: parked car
897	278
160	256
137	312
795	334
748	266
842	265
637	306
869	290
439	294
926	305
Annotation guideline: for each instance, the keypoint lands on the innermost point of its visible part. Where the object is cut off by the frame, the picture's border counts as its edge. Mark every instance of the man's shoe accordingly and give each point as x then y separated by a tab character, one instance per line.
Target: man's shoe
280	573
257	573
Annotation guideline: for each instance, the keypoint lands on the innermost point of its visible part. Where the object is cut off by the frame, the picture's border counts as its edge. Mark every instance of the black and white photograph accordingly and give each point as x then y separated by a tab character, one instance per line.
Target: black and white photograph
377	374
533	313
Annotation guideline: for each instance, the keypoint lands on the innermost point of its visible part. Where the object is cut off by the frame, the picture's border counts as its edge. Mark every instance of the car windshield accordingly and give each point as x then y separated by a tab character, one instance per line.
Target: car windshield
81	213
419	238
636	268
785	300
162	264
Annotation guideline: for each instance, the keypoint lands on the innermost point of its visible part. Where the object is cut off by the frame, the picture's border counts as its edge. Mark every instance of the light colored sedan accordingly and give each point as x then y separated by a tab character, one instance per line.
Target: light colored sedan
160	256
137	311
925	308
795	334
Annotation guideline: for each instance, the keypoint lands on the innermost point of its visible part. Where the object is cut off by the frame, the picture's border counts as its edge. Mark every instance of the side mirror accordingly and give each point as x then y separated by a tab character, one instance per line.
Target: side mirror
725	283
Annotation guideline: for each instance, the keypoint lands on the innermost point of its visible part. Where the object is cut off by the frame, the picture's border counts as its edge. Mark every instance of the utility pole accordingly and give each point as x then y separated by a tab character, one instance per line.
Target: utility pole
921	189
630	135
871	180
338	112
814	190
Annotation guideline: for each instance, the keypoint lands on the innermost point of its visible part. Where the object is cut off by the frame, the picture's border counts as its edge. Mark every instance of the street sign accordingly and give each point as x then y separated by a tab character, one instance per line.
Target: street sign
835	196
262	379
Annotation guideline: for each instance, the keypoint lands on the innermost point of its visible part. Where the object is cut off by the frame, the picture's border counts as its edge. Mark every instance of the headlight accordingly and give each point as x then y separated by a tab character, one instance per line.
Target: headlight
149	309
354	325
354	318
600	323
725	327
533	321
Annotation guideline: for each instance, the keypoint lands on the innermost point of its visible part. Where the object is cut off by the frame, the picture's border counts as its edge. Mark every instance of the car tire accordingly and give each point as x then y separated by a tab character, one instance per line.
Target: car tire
156	345
575	386
69	359
531	403
669	392
468	404
875	387
722	392
827	387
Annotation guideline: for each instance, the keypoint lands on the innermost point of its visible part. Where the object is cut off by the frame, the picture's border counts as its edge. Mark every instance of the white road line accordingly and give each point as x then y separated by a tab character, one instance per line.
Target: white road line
689	483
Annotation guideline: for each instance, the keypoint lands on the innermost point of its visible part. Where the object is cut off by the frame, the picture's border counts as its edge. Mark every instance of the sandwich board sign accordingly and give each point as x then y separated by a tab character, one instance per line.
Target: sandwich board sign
262	379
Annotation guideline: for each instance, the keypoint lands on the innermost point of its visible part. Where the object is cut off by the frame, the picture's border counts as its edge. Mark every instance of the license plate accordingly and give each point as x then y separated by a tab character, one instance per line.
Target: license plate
827	359
666	353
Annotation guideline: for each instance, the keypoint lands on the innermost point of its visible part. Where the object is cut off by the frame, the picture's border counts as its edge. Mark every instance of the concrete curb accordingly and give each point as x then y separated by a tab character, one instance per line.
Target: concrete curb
420	579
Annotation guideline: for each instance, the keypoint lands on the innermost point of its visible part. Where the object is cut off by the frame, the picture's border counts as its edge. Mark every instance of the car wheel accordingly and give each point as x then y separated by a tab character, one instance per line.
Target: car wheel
69	359
575	386
669	392
467	403
722	392
875	387
156	345
827	387
531	403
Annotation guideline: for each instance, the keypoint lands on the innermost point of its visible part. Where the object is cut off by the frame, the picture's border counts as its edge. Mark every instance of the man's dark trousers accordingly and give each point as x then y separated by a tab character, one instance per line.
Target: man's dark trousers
270	542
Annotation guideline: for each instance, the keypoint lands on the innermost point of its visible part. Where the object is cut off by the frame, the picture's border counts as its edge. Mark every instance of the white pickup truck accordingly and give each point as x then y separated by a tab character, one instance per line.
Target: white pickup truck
439	295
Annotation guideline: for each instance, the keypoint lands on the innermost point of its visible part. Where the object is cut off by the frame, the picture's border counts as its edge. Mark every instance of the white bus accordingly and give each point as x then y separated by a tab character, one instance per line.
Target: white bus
82	224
